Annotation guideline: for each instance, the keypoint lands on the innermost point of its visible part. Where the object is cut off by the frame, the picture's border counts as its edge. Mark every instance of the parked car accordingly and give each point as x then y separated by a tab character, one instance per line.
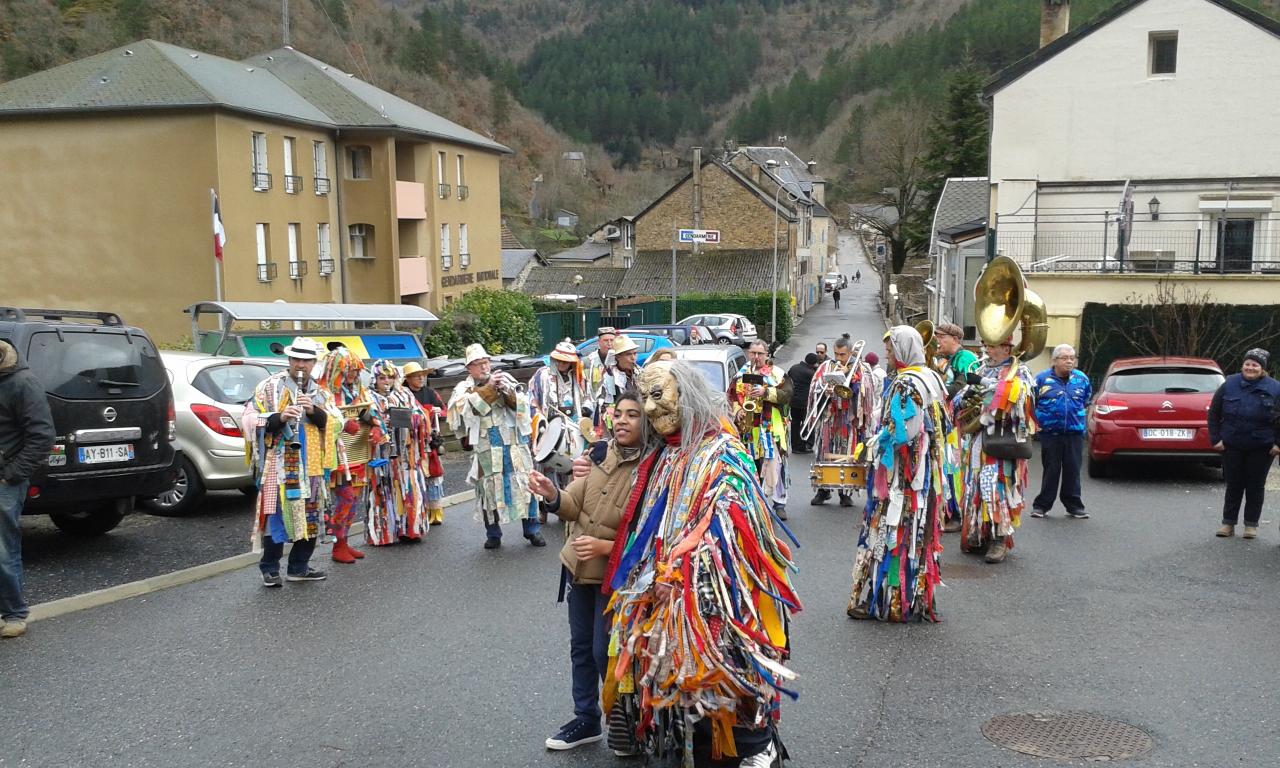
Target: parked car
727	328
646	343
444	367
113	415
680	335
209	394
831	281
1152	407
717	364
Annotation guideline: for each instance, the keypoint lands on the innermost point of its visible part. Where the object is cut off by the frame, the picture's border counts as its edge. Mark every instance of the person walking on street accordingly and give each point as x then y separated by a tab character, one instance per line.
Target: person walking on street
1062	394
960	362
415	379
759	397
857	276
26	435
801	375
835	296
592	508
1243	425
340	377
493	416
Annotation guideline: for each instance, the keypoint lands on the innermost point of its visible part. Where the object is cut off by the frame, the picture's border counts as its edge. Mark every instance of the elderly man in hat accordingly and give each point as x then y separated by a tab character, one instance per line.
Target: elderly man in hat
595	363
493	414
618	377
556	395
287	425
415	379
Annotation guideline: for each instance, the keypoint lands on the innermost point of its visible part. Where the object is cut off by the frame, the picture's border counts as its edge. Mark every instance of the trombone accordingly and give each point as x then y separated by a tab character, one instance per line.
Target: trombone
843	390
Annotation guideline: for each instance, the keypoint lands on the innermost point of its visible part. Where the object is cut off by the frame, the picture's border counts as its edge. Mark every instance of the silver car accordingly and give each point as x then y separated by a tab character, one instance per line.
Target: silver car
209	394
717	364
726	328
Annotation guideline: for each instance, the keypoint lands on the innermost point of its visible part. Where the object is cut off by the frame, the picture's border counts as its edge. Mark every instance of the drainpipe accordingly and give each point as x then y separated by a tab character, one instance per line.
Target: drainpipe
342	240
697	193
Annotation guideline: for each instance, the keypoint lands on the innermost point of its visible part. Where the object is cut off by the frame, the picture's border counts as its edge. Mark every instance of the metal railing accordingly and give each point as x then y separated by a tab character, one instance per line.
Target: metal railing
446	261
267	272
261	181
326	266
292	184
297	269
443	191
1209	250
463	192
321	184
464	260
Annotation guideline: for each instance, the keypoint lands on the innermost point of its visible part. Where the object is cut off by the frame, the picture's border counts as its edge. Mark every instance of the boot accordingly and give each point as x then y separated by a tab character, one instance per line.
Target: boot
435	516
820	497
1226	530
1250	532
846	500
997	552
357	554
341	552
780	510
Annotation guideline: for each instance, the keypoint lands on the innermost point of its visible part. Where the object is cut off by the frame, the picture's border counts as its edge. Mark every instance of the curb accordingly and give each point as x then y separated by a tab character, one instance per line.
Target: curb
119	592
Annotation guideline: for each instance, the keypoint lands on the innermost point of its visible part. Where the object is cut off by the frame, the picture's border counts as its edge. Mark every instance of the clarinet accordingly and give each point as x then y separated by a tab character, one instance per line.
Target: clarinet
295	439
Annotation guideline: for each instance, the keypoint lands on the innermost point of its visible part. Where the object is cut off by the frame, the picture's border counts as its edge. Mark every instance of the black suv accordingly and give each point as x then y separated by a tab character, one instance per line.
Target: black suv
112	414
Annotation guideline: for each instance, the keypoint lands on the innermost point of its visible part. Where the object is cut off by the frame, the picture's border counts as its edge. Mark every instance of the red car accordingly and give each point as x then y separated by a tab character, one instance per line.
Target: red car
1152	408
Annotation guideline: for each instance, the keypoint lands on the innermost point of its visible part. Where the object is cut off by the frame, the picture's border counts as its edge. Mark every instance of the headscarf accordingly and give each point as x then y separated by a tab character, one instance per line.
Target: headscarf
337	364
386	368
908	347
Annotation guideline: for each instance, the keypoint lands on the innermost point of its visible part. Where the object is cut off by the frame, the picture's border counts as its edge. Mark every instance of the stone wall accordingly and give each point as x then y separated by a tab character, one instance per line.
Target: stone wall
744	220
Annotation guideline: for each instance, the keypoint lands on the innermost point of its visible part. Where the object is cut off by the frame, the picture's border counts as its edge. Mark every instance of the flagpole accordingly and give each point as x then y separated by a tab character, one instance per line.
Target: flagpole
217	263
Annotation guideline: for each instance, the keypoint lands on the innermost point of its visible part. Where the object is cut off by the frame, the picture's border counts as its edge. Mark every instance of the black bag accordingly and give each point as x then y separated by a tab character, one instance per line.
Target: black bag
1001	442
400	418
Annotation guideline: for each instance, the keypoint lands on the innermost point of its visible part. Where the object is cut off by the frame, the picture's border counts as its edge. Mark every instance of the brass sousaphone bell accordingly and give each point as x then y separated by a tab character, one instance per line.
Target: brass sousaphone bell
1003	303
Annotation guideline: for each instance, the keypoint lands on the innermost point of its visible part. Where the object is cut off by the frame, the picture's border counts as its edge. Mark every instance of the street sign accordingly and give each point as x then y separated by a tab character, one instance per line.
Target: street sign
699	235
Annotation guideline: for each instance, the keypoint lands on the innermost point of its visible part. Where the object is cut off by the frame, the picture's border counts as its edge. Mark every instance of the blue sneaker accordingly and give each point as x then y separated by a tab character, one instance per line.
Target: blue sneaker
575	733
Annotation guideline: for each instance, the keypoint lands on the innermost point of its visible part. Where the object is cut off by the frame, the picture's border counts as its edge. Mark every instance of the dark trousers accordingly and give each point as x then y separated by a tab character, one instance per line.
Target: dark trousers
1060	457
1245	470
588	647
12	603
299	555
798	414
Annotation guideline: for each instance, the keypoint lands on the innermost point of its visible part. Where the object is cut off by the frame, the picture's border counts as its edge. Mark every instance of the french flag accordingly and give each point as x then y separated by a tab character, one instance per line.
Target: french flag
219	233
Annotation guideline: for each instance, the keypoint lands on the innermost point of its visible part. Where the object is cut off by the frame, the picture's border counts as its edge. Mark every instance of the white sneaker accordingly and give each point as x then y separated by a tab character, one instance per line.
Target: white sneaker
13	628
764	759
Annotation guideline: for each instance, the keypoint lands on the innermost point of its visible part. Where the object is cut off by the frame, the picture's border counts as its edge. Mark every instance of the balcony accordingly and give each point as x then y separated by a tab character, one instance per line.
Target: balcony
326	266
261	181
443	190
321	184
297	269
415	275
411	200
1238	248
464	260
292	184
463	192
267	272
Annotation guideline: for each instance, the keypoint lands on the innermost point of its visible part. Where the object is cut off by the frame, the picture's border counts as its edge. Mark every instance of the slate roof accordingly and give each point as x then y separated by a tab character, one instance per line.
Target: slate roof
596	281
514	261
284	84
964	199
509	240
783	211
587	252
741	271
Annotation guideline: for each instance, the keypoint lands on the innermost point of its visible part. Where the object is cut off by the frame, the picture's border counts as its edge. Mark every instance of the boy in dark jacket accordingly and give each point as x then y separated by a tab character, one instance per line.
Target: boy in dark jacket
26	435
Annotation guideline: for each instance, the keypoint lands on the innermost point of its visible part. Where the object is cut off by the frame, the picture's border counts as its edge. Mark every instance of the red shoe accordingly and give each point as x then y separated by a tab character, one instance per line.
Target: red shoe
357	554
342	553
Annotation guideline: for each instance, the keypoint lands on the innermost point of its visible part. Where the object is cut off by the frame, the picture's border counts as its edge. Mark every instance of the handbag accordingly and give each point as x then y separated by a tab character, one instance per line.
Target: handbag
1001	442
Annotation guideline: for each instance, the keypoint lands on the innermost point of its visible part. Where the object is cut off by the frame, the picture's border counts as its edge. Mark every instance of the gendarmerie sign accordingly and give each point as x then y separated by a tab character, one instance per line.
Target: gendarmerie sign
468	277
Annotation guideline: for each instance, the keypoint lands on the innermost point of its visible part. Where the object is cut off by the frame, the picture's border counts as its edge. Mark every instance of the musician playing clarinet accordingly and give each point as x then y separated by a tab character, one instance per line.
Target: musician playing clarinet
842	423
286	427
759	399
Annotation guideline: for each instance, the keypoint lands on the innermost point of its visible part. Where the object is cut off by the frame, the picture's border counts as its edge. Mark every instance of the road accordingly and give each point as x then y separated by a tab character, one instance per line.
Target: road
449	655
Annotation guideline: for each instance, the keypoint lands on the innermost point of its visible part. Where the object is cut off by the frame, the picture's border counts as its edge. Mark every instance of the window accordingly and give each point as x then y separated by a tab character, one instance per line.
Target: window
446	252
443	186
297	267
324	261
464	247
266	269
463	190
75	365
361	241
261	176
1162	56
292	183
627	234
360	158
230	384
320	161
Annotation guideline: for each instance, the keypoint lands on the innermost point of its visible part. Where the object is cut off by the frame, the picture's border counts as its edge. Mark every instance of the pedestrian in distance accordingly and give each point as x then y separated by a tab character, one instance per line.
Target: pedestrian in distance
801	375
26	435
820	349
1062	394
592	509
291	450
857	276
490	410
415	379
1243	425
835	297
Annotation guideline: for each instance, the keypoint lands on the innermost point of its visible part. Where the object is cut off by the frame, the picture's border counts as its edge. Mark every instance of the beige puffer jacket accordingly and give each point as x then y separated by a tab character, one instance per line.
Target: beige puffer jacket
593	506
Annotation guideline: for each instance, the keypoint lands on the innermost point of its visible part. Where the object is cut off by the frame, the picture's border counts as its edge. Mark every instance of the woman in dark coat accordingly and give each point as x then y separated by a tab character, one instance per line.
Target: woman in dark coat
1242	424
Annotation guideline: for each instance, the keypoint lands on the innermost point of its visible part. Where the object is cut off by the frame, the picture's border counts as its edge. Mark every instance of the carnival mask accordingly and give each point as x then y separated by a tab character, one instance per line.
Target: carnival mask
661	397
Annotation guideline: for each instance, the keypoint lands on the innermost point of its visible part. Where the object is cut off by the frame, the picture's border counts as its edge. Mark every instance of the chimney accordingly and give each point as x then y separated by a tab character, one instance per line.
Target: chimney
1055	19
812	164
697	190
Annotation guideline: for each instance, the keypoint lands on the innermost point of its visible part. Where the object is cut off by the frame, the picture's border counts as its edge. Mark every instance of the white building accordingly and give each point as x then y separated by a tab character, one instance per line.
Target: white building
1142	144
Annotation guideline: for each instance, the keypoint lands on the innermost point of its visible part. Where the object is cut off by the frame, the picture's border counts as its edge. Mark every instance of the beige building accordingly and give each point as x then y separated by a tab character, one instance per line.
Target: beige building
330	189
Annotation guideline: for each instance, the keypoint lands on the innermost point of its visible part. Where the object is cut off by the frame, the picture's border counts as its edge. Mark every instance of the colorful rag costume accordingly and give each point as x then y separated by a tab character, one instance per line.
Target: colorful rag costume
847	422
765	432
291	465
613	381
430	400
555	395
403	460
701	591
498	431
994	489
898	564
354	403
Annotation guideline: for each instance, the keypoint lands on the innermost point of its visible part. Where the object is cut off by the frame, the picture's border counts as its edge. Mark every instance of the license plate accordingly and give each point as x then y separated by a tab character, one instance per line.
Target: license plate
1164	433
106	454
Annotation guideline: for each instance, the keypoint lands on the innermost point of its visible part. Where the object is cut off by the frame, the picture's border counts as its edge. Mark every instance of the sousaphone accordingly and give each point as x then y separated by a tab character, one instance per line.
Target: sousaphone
1002	303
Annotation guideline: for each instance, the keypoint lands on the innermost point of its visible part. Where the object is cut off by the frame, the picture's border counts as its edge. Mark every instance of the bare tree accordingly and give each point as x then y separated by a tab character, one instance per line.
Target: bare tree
890	178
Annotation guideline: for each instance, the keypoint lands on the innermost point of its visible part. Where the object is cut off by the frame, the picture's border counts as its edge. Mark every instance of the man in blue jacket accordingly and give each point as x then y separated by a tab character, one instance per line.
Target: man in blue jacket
1062	394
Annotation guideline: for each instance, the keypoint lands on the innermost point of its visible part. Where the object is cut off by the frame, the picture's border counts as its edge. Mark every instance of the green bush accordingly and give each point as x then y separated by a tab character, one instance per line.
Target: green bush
503	321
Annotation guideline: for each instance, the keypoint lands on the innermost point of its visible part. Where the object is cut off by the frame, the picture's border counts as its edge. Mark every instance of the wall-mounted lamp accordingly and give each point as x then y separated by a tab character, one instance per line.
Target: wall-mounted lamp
1153	205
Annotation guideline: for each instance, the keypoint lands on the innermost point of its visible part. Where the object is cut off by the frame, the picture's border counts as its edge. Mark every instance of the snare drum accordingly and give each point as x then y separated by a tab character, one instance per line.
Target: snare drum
546	451
839	476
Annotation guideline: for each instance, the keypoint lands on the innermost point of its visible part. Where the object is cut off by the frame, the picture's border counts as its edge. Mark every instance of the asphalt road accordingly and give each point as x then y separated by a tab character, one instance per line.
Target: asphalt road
449	655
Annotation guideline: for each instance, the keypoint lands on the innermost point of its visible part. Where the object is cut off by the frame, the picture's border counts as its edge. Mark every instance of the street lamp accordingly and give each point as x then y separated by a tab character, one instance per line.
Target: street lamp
577	281
1153	205
773	341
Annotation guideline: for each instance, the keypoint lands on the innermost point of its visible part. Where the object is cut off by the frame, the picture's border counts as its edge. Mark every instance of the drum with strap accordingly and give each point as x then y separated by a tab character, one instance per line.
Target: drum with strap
548	447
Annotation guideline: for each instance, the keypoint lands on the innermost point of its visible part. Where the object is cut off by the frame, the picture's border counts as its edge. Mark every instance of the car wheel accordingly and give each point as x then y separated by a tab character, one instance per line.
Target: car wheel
1099	469
93	521
185	494
249	490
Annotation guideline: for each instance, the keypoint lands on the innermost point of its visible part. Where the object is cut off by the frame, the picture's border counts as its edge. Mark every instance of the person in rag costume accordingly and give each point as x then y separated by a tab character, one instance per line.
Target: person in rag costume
492	416
556	392
288	434
701	589
759	399
400	469
845	423
1000	409
898	564
616	376
340	377
415	380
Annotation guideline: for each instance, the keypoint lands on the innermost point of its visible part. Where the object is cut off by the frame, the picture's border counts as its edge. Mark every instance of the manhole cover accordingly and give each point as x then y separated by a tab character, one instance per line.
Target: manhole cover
1067	735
